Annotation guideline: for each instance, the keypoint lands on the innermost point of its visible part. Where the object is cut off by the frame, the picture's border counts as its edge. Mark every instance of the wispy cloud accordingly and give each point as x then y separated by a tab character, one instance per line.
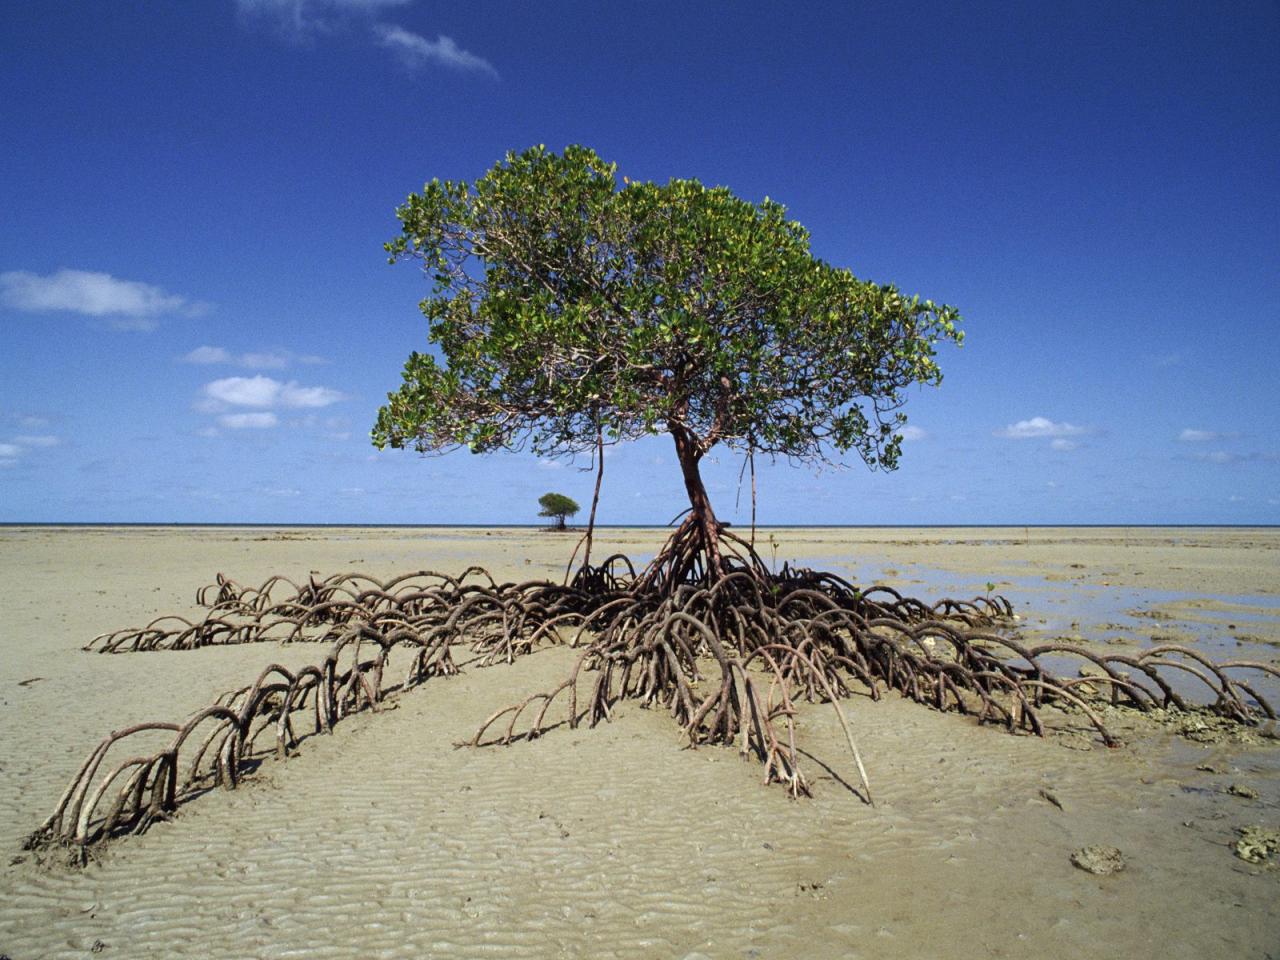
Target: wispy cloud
1039	427
207	355
262	360
128	304
1204	436
263	391
293	395
1228	457
1062	443
301	20
248	421
14	451
911	432
416	51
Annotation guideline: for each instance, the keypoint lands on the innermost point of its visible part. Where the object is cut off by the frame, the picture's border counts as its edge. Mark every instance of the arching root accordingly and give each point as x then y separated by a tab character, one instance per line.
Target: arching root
728	654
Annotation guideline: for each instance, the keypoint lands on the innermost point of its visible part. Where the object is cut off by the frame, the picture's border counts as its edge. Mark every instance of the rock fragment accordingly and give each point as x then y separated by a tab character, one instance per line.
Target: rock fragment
1099	860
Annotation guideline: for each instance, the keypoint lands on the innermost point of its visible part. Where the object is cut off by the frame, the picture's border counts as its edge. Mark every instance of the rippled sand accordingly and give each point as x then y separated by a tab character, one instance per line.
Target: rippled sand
382	840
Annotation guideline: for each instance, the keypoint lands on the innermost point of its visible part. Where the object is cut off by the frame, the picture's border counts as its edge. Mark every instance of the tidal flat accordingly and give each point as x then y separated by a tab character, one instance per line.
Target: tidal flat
383	840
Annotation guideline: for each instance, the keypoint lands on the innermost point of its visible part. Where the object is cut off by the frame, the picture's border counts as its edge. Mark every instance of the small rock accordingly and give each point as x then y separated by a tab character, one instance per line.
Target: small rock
1098	860
1052	798
1240	790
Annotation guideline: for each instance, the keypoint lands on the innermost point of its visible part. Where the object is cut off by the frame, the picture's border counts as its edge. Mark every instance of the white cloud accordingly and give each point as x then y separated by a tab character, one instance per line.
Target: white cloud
248	421
1039	427
11	452
207	355
293	395
244	391
417	51
129	304
301	19
263	391
1060	443
911	432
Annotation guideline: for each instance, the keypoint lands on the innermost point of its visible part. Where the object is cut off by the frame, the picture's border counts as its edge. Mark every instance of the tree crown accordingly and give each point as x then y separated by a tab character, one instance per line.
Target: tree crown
557	505
564	304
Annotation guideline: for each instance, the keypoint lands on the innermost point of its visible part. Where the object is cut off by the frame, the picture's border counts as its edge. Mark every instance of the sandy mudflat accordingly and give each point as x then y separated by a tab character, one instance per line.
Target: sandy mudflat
383	841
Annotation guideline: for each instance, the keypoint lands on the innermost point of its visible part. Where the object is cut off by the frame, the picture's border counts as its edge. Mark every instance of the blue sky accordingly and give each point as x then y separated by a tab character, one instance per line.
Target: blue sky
198	323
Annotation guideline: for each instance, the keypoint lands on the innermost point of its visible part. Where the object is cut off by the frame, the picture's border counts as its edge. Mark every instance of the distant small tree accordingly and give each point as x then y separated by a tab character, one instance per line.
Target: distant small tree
557	505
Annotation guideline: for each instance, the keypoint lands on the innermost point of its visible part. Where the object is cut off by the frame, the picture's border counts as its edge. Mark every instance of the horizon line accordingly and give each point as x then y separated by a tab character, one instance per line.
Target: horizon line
613	526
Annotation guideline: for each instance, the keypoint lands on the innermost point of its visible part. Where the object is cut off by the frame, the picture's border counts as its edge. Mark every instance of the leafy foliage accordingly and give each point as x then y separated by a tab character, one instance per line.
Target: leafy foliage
557	505
564	302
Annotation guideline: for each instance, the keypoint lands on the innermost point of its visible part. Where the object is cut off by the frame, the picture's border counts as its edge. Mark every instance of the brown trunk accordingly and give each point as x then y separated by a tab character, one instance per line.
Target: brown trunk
595	497
702	514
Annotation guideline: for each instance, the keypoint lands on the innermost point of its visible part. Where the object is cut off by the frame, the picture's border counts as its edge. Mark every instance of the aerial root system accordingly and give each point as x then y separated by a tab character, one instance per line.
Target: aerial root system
726	646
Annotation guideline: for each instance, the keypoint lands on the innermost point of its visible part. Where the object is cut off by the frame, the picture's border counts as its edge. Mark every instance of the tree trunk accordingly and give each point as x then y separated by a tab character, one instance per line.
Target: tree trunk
703	516
560	517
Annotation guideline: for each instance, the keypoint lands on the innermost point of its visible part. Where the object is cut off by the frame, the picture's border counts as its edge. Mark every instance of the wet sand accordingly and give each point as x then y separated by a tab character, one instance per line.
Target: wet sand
382	840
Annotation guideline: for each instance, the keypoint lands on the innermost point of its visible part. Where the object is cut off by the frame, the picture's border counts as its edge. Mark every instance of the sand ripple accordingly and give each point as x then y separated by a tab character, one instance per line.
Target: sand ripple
384	841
